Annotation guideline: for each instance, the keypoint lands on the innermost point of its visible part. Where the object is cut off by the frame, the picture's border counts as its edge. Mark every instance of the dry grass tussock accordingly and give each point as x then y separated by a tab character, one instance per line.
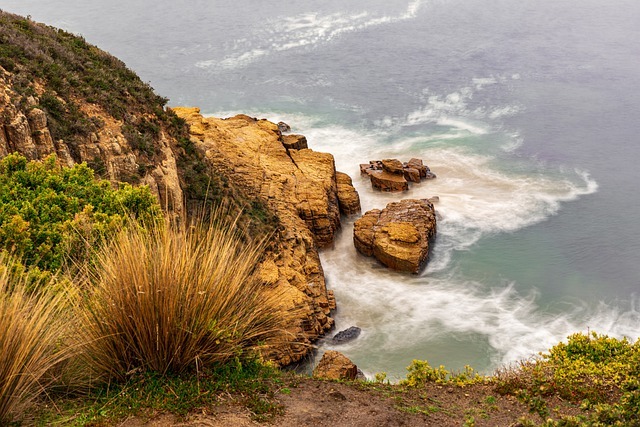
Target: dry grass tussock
174	299
32	325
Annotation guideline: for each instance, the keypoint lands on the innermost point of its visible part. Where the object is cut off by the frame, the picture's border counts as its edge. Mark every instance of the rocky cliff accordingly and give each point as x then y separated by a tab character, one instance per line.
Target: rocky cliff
300	186
60	95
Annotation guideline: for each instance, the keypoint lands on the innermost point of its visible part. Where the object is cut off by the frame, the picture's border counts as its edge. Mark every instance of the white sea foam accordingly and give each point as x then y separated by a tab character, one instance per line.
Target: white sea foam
303	31
457	110
407	316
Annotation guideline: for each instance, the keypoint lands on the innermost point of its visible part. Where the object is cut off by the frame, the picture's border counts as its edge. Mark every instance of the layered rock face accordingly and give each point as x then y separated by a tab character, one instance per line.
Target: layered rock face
398	236
300	186
24	129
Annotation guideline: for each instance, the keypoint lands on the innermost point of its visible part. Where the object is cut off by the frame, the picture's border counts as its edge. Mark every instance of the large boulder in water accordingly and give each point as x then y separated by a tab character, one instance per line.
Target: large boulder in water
399	235
393	175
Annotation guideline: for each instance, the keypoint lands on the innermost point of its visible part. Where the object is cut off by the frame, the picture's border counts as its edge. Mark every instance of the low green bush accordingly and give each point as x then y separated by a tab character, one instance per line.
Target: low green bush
598	372
421	372
50	215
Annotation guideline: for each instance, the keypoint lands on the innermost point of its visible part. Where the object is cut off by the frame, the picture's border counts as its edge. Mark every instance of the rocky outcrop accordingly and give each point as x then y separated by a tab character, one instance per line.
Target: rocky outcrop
91	108
335	366
348	198
25	129
398	236
301	188
393	175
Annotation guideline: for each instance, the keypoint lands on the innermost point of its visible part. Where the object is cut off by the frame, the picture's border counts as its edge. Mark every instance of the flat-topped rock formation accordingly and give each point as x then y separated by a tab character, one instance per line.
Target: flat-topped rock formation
393	175
399	235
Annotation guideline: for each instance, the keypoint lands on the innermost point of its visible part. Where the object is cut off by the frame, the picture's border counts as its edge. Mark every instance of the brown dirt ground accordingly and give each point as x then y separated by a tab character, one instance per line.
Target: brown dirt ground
311	402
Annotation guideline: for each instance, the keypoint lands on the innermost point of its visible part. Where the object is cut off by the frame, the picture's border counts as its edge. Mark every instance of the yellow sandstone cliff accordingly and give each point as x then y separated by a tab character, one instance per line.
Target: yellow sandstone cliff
300	187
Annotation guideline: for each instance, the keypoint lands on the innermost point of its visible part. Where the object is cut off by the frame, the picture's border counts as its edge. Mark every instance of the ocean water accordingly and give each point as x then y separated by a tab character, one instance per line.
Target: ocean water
528	112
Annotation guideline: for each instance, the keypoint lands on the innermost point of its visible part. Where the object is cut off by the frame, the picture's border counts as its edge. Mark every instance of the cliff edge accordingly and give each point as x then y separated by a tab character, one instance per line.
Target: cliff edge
300	187
60	95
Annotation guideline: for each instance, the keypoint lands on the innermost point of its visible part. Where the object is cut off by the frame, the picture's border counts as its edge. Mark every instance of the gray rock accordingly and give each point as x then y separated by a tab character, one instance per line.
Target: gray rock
347	335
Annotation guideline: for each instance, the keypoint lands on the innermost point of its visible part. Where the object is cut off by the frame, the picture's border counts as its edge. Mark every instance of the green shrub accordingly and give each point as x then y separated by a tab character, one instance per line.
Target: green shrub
174	299
420	372
595	370
50	213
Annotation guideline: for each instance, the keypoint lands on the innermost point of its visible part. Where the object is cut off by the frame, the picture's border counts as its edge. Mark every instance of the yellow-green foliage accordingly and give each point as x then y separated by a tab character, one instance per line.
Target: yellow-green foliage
49	213
174	299
32	325
420	372
598	371
586	367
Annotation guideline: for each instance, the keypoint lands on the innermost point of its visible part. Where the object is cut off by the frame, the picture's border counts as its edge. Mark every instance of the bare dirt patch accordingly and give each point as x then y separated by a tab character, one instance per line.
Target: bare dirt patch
306	401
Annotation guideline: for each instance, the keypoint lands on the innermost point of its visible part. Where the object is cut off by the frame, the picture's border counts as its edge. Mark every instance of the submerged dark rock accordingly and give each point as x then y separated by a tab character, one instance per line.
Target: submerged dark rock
347	335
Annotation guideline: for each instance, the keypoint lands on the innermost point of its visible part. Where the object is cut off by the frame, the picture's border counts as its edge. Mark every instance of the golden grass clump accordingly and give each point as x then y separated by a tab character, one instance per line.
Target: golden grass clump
32	326
174	299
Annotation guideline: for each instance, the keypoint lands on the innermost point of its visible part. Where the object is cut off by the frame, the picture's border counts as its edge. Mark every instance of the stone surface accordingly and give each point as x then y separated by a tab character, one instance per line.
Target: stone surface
295	142
348	198
347	335
283	127
385	181
399	235
363	231
300	186
335	366
411	174
392	166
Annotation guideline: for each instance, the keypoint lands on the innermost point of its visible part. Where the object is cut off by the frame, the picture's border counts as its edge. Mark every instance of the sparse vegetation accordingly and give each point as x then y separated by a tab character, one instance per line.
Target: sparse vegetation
173	300
249	383
598	372
420	372
32	325
69	69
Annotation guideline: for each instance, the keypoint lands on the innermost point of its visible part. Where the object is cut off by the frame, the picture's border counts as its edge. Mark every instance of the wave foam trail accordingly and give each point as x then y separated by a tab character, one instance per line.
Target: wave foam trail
457	109
408	317
305	30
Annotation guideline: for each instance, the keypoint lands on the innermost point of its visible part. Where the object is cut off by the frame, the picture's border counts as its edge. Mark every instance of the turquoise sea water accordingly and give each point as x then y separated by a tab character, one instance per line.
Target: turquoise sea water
528	112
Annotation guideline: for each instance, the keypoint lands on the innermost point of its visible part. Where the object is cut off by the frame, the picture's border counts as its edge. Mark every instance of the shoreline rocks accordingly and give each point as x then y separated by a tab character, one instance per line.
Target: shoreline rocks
393	175
347	335
399	235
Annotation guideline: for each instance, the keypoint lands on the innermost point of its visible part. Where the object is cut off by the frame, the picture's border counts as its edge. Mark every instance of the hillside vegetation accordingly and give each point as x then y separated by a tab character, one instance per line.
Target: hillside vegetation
81	88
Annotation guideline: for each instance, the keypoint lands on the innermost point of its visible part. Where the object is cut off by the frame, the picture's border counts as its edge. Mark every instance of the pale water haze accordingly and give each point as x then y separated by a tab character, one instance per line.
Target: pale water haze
528	111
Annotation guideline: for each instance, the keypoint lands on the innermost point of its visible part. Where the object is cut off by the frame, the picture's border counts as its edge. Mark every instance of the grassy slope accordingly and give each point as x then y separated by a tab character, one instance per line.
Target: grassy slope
61	70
